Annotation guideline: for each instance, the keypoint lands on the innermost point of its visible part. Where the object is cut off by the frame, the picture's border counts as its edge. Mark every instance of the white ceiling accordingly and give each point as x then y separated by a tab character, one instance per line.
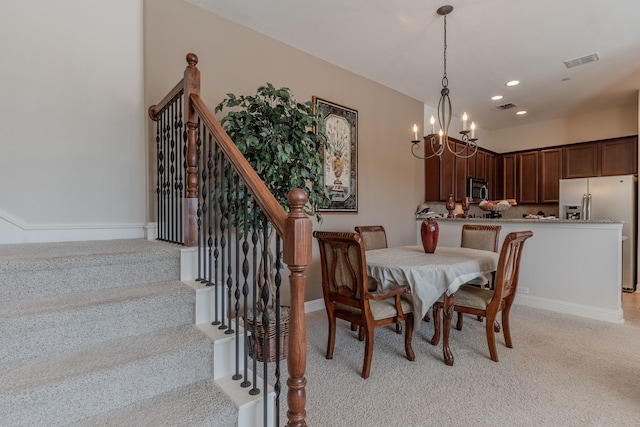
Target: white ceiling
399	43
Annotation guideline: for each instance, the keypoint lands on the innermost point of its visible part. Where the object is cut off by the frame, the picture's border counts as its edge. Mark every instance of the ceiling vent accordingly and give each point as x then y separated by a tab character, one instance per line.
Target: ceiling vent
506	106
582	60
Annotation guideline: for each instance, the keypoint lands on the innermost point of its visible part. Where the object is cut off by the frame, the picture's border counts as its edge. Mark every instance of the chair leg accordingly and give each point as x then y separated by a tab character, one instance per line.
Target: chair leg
459	322
426	316
361	333
407	336
506	327
368	351
354	327
331	341
436	324
496	326
491	337
398	328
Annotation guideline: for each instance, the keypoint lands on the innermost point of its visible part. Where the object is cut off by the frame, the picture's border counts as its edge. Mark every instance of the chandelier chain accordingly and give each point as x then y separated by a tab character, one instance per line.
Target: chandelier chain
445	80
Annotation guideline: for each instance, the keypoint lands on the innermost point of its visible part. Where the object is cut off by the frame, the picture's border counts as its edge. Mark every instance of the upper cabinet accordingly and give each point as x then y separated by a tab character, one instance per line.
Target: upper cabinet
528	180
619	156
509	176
581	160
550	167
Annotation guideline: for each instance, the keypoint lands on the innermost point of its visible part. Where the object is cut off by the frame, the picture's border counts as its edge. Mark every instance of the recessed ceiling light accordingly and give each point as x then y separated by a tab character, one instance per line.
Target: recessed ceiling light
497	97
512	83
521	112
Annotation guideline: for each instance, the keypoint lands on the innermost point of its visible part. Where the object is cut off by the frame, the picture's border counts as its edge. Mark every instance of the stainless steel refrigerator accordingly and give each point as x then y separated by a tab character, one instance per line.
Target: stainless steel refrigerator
606	198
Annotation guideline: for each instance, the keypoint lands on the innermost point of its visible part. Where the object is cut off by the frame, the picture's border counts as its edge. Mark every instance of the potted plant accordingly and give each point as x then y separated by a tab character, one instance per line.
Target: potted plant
280	138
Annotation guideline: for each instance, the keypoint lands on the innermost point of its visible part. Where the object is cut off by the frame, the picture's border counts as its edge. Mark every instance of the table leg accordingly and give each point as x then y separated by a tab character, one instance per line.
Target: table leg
446	328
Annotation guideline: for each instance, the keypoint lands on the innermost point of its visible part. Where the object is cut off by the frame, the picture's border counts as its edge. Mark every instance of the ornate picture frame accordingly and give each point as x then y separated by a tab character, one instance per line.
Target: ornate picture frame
340	156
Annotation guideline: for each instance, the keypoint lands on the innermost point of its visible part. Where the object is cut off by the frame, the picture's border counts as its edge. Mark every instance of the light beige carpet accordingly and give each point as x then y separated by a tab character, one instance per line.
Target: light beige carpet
562	371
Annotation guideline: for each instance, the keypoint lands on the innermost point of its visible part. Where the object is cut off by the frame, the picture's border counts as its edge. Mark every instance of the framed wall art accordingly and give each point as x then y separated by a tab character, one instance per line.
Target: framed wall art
340	156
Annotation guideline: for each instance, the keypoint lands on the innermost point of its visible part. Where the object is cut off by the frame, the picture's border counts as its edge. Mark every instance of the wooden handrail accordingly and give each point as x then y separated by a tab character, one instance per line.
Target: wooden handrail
154	110
247	174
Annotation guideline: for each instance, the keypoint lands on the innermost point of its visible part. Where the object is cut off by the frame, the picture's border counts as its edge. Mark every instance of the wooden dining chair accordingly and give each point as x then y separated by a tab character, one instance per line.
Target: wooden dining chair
347	296
489	302
486	238
373	236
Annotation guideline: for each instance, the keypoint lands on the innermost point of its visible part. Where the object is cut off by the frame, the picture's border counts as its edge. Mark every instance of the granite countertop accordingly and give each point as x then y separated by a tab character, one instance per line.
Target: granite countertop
546	221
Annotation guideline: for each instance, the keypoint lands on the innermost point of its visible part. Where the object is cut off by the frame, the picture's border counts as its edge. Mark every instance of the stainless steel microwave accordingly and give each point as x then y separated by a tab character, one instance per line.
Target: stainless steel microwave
477	190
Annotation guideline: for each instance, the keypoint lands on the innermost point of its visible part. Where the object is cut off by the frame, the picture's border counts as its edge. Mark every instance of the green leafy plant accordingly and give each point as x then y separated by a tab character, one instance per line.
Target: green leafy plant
281	138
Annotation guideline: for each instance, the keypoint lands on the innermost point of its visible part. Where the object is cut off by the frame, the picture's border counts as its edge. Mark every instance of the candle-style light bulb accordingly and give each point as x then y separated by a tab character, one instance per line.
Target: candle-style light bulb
441	133
464	121
432	120
415	132
473	130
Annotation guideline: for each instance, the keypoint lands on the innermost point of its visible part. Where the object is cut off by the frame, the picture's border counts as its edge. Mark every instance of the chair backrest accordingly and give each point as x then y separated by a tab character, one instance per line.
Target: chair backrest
484	237
344	268
373	236
508	270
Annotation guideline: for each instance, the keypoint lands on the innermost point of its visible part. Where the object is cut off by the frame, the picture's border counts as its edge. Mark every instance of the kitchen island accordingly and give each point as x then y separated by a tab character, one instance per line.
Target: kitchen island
572	267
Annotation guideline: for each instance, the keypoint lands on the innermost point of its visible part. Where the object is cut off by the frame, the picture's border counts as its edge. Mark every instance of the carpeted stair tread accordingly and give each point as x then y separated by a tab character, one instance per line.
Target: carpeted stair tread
65	387
199	404
49	269
13	255
32	327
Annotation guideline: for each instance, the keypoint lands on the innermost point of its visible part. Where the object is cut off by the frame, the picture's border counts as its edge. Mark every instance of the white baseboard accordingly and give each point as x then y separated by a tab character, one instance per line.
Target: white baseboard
314	305
13	230
613	316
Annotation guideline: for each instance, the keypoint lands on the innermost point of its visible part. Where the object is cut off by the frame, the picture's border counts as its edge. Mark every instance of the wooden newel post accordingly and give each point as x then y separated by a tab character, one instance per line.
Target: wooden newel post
190	209
297	256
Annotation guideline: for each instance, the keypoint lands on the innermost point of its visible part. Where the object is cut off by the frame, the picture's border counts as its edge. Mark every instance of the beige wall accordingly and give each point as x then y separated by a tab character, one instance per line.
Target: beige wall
235	59
602	124
72	120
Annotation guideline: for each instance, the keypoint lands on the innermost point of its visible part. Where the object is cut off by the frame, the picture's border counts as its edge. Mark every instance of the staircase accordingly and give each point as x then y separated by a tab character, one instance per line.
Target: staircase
105	333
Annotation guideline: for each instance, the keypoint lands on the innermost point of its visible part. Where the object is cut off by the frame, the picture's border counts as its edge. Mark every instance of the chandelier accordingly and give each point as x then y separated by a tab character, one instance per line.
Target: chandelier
440	141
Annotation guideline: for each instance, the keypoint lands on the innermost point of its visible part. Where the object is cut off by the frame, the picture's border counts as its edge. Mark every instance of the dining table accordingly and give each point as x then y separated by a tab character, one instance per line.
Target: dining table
430	276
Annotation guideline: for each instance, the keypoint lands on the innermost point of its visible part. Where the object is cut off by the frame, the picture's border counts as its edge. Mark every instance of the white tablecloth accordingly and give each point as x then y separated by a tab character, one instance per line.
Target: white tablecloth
428	275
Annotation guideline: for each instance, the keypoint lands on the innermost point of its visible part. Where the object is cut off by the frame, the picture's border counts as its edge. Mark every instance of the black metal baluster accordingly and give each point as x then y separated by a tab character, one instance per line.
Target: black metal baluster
202	131
239	196
209	142
230	204
172	172
245	283
278	281
223	241
265	308
254	332
183	169
216	253
159	170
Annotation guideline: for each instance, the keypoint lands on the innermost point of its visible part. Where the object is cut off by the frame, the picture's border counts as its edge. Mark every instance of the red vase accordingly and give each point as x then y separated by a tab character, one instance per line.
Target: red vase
429	235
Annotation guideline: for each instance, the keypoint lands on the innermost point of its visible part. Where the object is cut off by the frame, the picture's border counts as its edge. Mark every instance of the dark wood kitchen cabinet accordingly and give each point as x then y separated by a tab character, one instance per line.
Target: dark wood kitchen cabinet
491	174
619	156
480	166
431	176
527	173
509	176
461	174
550	166
581	160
